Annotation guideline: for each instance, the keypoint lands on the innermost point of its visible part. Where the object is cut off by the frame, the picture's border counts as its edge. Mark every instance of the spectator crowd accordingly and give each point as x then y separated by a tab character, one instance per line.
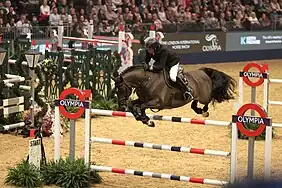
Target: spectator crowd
108	15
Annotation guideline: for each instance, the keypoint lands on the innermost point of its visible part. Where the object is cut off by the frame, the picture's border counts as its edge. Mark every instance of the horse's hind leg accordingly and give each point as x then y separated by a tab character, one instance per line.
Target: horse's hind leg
198	110
205	111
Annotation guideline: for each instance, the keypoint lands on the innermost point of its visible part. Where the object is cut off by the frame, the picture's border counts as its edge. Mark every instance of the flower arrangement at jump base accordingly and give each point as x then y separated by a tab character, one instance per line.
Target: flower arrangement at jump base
47	121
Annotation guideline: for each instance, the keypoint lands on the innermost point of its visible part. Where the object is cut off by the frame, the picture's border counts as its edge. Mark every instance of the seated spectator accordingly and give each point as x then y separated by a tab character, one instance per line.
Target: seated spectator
73	12
82	13
253	19
217	12
54	17
35	26
105	28
2	27
11	14
204	18
261	8
144	13
170	15
173	7
238	20
62	4
109	3
23	6
83	22
11	24
222	22
188	17
117	3
89	7
212	22
44	13
23	25
136	12
65	17
120	21
137	26
162	15
52	4
129	21
157	22
275	7
7	5
228	16
111	15
264	20
180	14
101	15
99	5
3	15
149	19
94	16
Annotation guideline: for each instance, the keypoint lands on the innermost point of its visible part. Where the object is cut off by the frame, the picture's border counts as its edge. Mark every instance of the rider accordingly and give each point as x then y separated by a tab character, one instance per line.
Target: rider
164	59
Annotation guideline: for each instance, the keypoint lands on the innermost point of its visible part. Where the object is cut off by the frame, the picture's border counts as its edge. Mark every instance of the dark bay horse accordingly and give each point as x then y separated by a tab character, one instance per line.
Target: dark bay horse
156	91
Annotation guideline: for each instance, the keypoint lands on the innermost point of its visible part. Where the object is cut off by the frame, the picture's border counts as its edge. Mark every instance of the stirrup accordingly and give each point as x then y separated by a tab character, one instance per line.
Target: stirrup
187	95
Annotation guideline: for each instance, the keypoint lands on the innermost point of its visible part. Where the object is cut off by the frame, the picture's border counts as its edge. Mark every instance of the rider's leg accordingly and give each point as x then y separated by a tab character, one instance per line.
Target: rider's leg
173	72
178	76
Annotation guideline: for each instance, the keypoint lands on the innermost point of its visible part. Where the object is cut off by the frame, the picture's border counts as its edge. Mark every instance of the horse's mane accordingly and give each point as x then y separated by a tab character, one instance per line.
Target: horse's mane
131	68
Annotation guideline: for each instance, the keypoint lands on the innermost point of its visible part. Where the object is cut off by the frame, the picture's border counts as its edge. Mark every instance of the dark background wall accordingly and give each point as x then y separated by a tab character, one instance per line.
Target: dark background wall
231	56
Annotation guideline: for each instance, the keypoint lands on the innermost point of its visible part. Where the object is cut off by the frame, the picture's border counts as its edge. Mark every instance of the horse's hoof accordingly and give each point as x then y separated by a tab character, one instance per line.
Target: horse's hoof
205	114
151	124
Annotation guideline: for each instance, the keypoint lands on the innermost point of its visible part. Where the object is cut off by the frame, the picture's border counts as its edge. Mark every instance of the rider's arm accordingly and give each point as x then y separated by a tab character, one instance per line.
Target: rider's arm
163	58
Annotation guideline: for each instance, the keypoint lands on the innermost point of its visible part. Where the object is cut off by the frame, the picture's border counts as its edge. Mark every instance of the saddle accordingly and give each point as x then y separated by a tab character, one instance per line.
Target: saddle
171	84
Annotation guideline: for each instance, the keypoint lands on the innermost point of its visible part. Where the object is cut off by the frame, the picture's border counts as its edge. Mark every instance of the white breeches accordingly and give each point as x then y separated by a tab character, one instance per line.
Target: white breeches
173	72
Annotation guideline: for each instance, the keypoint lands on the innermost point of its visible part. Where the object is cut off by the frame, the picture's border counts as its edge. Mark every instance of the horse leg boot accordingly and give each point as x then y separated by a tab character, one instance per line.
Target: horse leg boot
153	104
205	111
194	106
134	107
198	110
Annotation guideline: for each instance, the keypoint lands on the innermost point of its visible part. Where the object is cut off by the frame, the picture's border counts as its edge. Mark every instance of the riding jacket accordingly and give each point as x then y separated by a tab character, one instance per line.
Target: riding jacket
164	59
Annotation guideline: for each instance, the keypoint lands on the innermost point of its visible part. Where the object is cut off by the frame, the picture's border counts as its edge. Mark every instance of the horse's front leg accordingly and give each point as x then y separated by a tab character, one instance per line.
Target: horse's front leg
134	108
153	104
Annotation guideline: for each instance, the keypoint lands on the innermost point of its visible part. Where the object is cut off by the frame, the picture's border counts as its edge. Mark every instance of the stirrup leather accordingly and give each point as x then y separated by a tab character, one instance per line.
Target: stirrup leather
182	77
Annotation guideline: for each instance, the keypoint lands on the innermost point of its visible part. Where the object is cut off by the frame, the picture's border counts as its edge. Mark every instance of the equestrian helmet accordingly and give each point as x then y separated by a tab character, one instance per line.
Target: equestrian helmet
151	42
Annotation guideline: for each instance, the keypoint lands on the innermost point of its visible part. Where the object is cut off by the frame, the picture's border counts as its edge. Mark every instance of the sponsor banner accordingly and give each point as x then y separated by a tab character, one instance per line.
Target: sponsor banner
254	41
41	45
195	42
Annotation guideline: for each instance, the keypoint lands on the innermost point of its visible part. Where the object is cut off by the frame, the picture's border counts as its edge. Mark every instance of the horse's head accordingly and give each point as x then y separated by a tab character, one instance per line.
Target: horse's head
123	92
127	80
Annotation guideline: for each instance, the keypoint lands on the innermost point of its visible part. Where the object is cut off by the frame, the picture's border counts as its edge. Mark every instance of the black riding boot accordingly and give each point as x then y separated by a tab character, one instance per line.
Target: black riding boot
186	90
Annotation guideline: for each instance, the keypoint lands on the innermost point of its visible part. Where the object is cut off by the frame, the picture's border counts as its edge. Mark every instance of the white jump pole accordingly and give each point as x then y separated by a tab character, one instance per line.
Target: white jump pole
268	133
87	135
233	158
57	134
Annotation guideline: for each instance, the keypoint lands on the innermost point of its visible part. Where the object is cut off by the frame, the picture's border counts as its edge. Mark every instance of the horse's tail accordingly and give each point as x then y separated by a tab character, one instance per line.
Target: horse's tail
223	85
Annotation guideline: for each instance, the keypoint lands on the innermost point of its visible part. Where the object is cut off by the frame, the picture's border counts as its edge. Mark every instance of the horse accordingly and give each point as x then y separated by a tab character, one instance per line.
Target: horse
155	90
